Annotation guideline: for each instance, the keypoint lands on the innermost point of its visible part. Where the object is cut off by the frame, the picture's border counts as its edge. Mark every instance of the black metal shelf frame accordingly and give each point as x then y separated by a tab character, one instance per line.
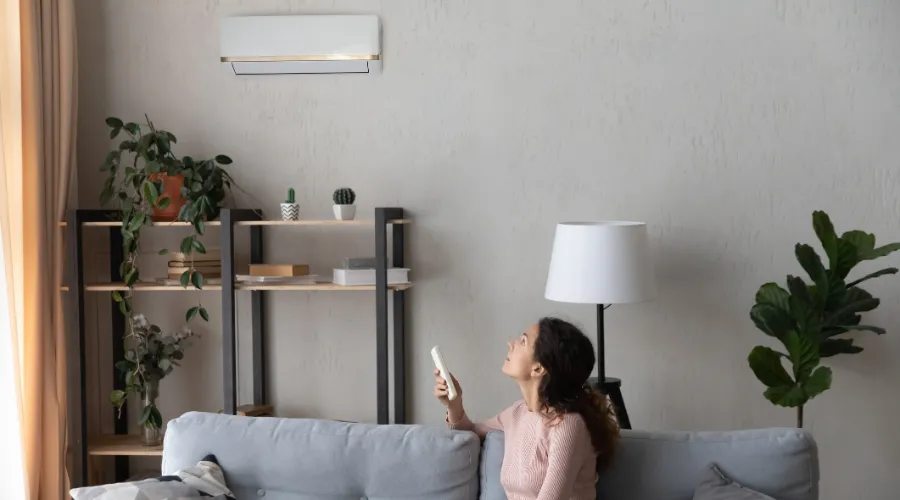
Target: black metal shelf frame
230	218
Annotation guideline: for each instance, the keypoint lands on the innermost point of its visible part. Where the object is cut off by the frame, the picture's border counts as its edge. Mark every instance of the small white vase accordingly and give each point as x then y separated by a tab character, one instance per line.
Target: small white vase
290	211
344	212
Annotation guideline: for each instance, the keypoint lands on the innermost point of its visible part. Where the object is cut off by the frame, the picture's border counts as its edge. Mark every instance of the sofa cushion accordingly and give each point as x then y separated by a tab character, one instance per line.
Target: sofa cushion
491	462
715	485
300	459
782	463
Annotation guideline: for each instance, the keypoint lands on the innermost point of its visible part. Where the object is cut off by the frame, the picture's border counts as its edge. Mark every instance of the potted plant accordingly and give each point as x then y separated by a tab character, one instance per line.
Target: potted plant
344	209
150	358
289	209
808	318
147	182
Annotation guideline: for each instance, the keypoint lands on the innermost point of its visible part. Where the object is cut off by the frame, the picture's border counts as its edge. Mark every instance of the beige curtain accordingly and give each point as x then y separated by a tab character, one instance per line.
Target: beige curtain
37	156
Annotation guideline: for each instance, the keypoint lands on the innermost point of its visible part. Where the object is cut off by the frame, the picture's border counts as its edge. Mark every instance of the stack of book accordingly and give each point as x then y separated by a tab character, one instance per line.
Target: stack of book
360	271
280	274
208	264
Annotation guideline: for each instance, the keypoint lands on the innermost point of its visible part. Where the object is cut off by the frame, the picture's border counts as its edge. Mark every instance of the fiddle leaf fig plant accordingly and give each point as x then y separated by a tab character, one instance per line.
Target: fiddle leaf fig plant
809	318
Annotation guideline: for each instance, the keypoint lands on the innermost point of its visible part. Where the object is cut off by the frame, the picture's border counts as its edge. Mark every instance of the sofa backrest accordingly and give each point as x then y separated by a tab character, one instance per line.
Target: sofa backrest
782	463
300	459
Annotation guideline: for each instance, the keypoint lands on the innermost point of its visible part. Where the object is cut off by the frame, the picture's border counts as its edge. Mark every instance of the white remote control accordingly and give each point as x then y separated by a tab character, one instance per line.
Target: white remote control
445	373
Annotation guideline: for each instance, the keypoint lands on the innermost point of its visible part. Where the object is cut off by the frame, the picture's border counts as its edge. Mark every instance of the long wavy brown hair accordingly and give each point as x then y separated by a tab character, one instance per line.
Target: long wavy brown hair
567	355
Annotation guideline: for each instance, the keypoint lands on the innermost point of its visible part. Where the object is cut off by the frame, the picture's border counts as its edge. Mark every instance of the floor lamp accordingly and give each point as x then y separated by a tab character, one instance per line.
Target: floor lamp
601	263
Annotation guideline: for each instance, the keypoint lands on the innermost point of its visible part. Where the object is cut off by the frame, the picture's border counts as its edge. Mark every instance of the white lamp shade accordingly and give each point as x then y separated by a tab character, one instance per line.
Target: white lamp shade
600	263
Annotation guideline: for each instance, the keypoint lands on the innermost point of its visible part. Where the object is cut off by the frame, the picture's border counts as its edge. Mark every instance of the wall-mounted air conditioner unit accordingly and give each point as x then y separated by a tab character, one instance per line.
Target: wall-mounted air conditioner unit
278	45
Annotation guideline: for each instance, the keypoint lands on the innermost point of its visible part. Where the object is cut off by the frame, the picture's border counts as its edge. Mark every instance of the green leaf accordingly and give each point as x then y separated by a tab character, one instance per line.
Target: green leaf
833	347
178	355
803	308
809	260
150	192
124	366
199	246
131	355
131	278
164	202
117	397
116	296
188	162
223	160
825	231
152	167
818	382
185	279
199	226
129	377
865	328
132	128
880	251
127	145
766	365
171	137
136	222
204	314
197	280
155	418
155	330
123	307
145	415
114	133
163	251
186	245
855	303
803	352
168	340
113	122
789	396
773	295
771	320
876	274
191	313
164	364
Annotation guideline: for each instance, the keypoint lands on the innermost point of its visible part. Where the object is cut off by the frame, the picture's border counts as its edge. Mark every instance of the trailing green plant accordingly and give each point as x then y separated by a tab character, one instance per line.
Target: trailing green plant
344	196
150	358
290	198
809	318
134	185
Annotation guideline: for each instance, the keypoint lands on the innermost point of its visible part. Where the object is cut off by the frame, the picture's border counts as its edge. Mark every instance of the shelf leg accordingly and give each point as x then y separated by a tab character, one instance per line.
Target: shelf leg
117	322
381	316
229	357
257	299
77	375
399	299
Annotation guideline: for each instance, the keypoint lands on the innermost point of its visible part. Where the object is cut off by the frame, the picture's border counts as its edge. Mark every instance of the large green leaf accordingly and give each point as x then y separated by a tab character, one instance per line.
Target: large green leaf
191	313
833	347
855	301
818	382
825	231
145	415
805	311
812	264
803	352
771	320
790	396
766	364
865	328
880	251
773	295
197	280
186	245
876	274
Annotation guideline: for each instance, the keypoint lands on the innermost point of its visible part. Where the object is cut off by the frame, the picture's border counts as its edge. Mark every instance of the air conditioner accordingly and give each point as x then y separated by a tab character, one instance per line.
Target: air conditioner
279	45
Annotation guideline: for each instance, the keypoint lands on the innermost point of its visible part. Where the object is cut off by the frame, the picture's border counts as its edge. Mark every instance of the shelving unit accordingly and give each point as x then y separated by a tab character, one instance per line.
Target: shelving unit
121	445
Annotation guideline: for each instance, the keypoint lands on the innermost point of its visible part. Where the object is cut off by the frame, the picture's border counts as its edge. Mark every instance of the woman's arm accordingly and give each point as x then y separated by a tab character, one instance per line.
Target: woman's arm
570	442
458	420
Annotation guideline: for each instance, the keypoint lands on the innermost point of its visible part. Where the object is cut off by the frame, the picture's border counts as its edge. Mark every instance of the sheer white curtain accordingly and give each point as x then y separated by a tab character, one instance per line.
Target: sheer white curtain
37	135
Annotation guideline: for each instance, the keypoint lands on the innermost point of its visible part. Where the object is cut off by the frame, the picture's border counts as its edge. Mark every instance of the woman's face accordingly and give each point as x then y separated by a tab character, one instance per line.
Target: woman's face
519	363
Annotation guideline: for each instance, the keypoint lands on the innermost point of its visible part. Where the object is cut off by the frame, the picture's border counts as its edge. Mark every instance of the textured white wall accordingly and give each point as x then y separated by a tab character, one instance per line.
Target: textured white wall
721	124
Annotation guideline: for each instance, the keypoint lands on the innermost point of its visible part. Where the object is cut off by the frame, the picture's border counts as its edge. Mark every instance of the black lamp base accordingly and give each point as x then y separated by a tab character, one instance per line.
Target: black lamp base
612	388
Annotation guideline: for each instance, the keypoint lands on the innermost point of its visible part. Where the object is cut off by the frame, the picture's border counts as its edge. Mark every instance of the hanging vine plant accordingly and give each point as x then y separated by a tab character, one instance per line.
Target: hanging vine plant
146	182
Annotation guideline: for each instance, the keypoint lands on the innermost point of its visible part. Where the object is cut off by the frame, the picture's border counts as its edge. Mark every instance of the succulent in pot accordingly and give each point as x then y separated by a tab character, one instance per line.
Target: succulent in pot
344	209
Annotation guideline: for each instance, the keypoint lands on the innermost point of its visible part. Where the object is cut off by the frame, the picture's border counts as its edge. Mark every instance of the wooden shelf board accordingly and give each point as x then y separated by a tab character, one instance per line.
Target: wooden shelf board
145	287
115	223
326	222
151	287
121	445
318	286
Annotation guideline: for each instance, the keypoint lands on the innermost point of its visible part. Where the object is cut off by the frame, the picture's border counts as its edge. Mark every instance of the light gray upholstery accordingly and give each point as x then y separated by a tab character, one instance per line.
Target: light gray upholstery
298	459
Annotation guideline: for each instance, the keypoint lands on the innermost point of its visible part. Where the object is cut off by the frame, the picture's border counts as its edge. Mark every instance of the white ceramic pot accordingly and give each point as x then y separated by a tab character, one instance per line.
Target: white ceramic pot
344	212
290	211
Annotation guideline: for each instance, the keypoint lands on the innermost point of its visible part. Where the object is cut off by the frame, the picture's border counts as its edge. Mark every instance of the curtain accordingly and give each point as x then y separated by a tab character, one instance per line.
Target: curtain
38	102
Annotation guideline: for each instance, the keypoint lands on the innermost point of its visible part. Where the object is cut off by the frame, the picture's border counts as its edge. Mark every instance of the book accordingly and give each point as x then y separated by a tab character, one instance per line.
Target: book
309	279
172	282
351	277
279	269
201	268
206	276
210	255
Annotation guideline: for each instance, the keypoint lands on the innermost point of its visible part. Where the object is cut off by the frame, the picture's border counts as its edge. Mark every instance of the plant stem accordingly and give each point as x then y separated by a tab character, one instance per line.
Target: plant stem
800	417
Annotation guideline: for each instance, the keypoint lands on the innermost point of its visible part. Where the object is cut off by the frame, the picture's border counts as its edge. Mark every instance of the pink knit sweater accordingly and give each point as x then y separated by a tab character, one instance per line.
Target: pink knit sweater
541	460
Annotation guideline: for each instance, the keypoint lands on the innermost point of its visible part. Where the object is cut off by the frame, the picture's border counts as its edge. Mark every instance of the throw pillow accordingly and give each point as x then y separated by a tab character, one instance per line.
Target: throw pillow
204	480
715	485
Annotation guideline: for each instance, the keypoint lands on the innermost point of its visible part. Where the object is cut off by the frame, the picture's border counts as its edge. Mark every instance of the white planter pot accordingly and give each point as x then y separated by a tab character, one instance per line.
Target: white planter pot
344	212
290	211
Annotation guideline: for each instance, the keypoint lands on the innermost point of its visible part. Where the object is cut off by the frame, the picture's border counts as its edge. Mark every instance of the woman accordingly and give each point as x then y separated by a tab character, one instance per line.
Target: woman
561	433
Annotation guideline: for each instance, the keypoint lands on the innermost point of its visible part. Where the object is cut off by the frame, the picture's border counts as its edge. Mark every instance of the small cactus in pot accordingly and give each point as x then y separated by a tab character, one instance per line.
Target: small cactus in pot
289	209
344	209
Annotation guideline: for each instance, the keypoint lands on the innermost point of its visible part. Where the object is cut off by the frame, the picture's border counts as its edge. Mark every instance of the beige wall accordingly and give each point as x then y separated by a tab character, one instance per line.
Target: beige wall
721	124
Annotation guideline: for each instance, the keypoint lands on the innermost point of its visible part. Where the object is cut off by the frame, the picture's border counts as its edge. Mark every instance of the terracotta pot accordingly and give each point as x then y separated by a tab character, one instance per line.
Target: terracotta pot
171	188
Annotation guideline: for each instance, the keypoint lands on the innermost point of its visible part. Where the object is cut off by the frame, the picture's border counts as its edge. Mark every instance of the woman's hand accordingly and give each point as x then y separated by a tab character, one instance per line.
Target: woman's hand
440	391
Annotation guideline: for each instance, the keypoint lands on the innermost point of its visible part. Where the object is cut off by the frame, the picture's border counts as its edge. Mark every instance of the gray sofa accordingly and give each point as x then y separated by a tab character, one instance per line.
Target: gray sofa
297	459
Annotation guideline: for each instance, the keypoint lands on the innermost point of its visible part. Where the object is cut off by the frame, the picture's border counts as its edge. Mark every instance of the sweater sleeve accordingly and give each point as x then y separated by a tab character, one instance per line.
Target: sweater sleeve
482	427
569	441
